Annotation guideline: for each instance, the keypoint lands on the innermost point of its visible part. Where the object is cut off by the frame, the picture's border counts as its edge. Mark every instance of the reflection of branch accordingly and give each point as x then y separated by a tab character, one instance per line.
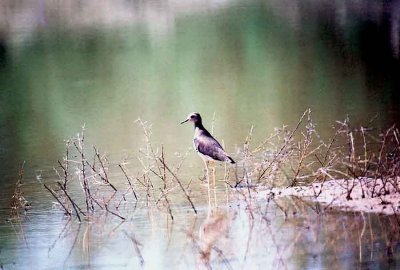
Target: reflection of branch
59	236
395	214
195	242
136	245
251	221
222	256
361	235
22	232
272	198
278	255
73	244
111	212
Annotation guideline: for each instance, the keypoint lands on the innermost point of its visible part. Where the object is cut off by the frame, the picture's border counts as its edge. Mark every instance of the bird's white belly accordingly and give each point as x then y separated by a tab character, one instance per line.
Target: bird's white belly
204	157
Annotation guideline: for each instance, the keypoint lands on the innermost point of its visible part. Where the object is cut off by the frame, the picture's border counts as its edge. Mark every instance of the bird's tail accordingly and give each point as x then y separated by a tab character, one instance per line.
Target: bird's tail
229	159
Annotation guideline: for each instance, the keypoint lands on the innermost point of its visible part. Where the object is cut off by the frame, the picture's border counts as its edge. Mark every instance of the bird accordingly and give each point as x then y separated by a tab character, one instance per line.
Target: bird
208	148
204	143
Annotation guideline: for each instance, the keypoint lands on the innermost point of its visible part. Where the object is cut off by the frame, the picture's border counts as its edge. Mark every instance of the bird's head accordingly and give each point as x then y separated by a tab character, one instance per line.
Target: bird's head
193	117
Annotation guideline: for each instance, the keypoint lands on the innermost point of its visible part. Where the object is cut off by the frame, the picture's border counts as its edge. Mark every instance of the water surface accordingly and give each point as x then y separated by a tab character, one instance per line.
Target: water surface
260	63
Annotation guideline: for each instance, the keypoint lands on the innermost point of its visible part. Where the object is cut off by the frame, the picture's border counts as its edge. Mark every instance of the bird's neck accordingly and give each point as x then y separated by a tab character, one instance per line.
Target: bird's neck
198	125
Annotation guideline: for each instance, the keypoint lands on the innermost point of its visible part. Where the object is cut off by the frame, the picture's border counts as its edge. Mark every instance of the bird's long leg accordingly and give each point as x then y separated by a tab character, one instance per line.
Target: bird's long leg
226	185
207	172
205	175
214	186
208	183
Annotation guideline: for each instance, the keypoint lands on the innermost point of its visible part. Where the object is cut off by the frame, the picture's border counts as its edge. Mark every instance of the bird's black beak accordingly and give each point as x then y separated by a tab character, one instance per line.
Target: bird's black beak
185	121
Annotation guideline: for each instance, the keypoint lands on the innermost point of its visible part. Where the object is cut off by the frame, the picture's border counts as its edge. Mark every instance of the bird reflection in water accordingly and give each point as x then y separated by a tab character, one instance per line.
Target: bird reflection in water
214	228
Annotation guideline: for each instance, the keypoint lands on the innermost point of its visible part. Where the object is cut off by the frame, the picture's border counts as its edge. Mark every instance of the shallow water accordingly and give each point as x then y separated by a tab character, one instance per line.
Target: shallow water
236	237
260	63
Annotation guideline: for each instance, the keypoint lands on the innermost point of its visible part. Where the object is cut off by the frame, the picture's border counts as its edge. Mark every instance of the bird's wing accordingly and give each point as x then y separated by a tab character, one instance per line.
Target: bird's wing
210	147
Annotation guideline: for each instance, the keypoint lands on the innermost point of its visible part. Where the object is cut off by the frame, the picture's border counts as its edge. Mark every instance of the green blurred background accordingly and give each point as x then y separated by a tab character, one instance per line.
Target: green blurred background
262	63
